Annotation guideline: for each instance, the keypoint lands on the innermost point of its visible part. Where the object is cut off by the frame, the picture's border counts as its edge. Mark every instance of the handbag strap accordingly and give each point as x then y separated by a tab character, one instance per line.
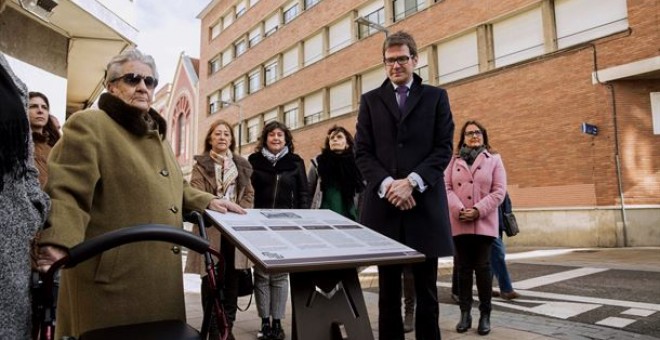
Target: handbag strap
248	305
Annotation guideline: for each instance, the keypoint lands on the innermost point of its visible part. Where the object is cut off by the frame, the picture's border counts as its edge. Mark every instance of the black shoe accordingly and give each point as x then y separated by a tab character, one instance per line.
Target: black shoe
484	324
465	323
265	333
277	333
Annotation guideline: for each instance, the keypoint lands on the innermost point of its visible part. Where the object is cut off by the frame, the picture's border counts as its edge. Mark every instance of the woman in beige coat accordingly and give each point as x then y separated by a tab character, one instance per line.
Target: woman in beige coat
221	172
113	169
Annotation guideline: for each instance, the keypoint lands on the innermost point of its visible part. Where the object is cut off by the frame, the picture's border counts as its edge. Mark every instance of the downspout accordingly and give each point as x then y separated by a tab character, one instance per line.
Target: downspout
617	156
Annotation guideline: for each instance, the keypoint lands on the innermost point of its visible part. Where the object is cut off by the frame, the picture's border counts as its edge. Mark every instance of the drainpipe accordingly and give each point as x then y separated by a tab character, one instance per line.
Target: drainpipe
617	157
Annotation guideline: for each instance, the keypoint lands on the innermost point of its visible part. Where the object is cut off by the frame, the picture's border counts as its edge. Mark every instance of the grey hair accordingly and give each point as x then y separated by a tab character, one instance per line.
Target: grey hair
113	70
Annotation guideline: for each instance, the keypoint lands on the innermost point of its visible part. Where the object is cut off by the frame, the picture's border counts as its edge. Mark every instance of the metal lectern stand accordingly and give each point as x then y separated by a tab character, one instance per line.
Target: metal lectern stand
321	251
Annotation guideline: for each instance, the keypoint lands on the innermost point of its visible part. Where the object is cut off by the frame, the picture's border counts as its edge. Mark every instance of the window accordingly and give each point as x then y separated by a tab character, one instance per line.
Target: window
254	81
313	49
241	47
254	36
341	99
214	102
270	116
181	135
291	115
241	8
372	79
239	90
270	72
313	107
374	15
404	8
340	35
310	3
216	29
290	61
290	12
422	69
271	24
253	129
584	20
458	58
215	65
225	94
227	56
227	20
510	46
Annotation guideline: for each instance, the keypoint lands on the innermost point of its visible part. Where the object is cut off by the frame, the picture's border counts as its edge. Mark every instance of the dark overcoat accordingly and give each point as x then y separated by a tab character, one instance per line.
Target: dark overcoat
421	142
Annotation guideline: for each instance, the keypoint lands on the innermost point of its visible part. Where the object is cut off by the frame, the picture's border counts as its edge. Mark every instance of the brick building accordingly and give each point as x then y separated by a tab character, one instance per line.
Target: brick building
533	71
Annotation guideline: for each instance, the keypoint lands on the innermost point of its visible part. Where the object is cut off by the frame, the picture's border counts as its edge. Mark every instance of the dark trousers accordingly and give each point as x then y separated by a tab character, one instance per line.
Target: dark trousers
473	256
228	285
427	313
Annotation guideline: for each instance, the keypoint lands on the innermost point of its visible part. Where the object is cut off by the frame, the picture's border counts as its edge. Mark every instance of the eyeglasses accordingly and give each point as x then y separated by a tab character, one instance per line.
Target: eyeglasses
134	79
475	133
401	60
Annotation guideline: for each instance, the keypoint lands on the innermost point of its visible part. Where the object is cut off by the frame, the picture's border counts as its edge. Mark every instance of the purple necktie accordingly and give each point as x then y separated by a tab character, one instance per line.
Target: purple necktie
402	92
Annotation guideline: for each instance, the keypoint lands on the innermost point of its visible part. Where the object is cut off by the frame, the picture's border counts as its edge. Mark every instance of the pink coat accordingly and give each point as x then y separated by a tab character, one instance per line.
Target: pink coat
481	186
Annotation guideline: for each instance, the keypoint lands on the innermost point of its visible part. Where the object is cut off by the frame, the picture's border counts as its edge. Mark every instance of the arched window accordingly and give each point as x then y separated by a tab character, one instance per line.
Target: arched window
182	113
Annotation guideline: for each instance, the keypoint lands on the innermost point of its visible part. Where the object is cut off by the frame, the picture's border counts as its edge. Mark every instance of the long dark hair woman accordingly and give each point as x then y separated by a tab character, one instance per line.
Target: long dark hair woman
24	206
223	173
334	178
279	182
476	184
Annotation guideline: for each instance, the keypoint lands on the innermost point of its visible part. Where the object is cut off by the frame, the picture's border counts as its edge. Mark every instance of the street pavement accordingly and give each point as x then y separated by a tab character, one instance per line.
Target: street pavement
599	293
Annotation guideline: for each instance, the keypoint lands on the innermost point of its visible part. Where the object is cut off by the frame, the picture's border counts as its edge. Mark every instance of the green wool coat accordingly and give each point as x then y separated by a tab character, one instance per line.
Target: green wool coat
109	171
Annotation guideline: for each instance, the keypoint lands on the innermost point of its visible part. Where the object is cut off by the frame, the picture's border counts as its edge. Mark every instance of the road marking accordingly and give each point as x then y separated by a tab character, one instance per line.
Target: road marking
615	322
557	277
557	309
576	298
638	312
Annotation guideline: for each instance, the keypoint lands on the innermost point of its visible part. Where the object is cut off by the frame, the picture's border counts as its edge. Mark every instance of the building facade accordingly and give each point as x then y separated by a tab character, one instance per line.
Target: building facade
532	71
177	103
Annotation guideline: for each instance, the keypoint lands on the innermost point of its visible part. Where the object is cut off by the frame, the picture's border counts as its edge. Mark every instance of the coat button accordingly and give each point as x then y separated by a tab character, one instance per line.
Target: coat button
478	168
400	145
164	173
458	170
174	209
459	184
469	197
471	182
176	250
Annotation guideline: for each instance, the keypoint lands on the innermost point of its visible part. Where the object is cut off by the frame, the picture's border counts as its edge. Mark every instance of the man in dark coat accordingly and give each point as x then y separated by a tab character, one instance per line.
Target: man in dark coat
403	144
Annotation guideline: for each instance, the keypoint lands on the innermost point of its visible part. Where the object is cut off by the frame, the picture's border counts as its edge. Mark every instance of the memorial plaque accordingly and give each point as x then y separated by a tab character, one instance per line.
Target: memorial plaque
294	240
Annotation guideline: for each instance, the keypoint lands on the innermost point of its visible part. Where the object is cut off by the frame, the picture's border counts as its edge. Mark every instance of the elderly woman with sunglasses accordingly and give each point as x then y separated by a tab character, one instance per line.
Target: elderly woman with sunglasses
113	169
476	185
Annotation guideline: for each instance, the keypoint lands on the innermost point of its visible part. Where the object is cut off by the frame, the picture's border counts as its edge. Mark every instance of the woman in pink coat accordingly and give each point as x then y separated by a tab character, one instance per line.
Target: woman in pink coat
476	185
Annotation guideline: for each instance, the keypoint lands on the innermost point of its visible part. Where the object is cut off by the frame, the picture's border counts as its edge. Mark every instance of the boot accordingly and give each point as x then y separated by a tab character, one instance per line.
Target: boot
484	323
465	323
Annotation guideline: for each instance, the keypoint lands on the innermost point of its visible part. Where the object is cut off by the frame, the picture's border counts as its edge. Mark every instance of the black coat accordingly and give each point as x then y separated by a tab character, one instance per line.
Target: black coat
421	142
282	185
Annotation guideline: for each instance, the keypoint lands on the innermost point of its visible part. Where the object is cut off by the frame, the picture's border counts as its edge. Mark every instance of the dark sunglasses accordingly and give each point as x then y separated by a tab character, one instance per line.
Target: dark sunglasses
134	79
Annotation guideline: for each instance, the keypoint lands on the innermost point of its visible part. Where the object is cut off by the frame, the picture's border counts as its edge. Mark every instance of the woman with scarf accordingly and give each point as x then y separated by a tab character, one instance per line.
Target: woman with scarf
221	172
44	132
476	185
334	178
279	182
23	205
114	169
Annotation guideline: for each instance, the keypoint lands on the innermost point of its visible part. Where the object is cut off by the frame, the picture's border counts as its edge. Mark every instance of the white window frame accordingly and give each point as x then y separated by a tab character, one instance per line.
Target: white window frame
579	21
458	57
511	47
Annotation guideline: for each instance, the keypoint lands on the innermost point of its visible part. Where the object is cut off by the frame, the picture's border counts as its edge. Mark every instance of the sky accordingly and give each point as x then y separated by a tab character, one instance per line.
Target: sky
166	28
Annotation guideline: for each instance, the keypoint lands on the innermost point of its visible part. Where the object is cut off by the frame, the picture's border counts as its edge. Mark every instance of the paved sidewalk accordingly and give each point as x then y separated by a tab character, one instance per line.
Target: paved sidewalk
505	325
